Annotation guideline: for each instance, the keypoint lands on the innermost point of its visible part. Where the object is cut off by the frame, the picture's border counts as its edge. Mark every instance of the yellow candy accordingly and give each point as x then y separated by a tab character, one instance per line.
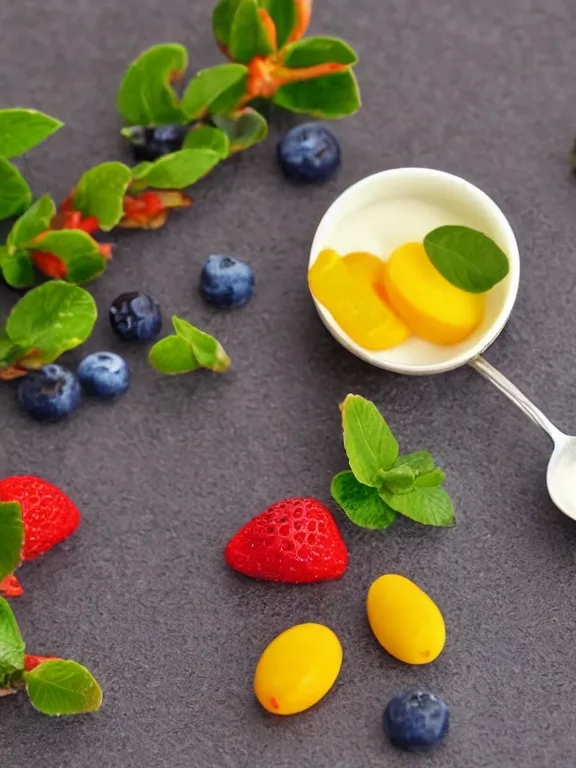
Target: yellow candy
431	307
351	298
297	669
406	622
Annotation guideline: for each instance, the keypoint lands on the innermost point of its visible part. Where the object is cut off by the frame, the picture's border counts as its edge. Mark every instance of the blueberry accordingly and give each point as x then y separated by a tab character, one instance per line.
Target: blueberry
135	316
309	152
49	394
149	144
226	282
104	374
416	719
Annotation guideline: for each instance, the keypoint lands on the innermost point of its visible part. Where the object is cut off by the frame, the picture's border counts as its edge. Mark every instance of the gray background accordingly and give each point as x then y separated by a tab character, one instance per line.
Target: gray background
166	475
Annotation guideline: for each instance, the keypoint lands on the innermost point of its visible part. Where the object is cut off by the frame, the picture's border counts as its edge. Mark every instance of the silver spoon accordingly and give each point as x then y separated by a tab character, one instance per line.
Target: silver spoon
561	475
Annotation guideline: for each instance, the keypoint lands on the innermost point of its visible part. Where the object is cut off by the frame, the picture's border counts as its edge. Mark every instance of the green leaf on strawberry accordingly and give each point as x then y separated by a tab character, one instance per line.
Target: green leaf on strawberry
77	250
16	267
248	35
312	51
12	646
146	96
32	223
51	319
100	193
283	14
208	137
330	96
223	86
187	351
244	129
362	504
15	194
222	20
58	687
11	537
175	171
22	129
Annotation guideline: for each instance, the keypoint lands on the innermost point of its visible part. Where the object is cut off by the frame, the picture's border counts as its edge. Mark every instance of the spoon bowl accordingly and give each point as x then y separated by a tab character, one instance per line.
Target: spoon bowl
561	476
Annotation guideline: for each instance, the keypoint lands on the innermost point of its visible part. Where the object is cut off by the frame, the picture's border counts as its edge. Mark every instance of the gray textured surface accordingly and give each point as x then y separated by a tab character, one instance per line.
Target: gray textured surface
167	474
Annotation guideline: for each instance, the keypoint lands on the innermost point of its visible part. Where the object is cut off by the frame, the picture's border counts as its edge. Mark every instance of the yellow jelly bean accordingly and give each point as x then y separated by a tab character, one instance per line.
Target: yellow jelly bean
431	307
406	622
354	303
297	669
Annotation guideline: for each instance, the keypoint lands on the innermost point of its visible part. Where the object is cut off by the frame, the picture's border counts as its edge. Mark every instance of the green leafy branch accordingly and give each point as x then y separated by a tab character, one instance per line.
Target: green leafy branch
54	686
187	350
382	484
20	131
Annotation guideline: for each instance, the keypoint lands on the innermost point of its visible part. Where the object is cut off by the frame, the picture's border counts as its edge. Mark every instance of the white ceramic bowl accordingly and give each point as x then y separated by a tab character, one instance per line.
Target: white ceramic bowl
388	209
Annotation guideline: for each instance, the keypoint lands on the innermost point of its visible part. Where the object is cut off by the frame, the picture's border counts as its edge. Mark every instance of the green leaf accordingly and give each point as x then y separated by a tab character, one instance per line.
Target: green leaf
222	20
15	194
230	100
36	220
57	687
430	479
398	479
173	355
466	257
16	267
421	462
429	506
146	96
207	350
9	352
283	14
318	50
100	193
78	251
208	137
329	96
370	445
12	646
177	170
52	318
11	537
209	85
22	129
248	36
362	504
246	128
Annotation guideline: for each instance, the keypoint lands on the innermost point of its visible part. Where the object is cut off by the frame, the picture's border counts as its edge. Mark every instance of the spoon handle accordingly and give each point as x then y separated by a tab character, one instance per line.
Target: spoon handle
518	398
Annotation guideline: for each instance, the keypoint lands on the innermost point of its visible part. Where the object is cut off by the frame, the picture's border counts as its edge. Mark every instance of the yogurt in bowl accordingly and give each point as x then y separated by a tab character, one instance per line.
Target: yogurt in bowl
385	211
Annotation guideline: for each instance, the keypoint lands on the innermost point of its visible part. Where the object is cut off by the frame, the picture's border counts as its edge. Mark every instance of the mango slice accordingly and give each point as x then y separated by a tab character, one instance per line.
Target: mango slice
431	307
347	290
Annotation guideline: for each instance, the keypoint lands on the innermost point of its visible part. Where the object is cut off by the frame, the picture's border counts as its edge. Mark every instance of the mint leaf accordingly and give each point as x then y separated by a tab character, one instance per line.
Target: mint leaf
15	194
209	85
146	96
16	267
77	250
173	355
100	193
52	318
177	170
248	36
222	20
429	506
22	129
244	129
362	504
318	50
11	537
466	257
36	220
421	461
208	137
370	445
11	644
398	479
329	96
58	687
430	479
283	14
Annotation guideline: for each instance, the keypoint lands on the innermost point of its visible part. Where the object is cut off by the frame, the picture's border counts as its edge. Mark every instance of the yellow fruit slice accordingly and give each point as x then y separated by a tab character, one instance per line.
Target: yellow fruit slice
431	307
349	294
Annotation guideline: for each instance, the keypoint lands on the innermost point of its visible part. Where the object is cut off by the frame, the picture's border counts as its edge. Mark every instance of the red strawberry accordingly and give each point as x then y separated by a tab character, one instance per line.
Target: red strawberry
294	541
48	515
31	662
